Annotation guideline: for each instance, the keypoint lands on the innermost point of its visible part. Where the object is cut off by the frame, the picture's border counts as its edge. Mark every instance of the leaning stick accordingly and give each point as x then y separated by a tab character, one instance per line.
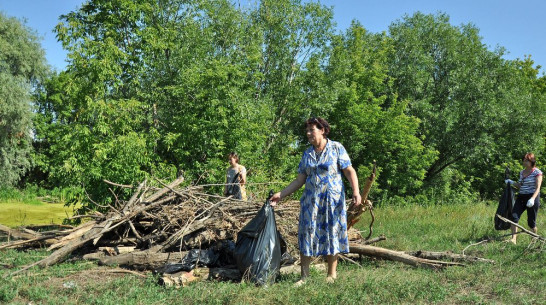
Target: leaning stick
522	228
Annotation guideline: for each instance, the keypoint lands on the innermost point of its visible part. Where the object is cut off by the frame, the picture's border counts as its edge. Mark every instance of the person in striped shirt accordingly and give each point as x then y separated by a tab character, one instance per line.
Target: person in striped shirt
528	197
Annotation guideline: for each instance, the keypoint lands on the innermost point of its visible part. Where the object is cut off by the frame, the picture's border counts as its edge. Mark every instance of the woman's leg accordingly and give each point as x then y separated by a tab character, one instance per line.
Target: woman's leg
517	210
332	266
514	230
305	261
532	215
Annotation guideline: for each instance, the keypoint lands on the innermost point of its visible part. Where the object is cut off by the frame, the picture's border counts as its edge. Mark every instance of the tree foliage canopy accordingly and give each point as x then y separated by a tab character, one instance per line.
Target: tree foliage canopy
164	87
22	66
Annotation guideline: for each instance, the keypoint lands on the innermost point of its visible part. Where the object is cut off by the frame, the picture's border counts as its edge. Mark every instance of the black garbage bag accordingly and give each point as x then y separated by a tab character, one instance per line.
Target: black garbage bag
506	203
258	248
219	254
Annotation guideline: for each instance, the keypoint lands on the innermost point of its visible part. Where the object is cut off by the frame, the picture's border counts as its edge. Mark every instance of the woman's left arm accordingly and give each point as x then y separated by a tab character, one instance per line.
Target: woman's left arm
537	191
243	177
350	173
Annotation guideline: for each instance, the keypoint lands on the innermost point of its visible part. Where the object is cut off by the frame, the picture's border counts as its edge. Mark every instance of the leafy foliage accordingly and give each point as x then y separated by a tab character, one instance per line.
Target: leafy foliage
22	66
171	87
476	108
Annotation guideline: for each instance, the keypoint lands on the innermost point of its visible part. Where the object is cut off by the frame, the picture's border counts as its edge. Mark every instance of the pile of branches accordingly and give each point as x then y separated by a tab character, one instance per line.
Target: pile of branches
159	226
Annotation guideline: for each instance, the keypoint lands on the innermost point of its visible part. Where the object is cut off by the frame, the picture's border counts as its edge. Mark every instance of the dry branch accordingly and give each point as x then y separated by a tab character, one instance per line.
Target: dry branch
160	225
522	228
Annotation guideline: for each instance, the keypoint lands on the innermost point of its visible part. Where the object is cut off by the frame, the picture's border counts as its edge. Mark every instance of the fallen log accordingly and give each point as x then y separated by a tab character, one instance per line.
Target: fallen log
448	255
48	239
77	232
141	259
399	256
17	234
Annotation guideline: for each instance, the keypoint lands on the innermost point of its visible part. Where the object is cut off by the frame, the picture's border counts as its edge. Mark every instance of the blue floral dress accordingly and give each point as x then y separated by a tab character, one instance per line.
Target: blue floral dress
323	218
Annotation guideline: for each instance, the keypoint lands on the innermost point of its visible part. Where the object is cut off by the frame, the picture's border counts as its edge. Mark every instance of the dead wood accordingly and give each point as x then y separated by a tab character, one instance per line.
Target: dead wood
373	240
399	256
143	260
77	232
522	228
48	239
448	255
158	226
354	212
179	279
17	234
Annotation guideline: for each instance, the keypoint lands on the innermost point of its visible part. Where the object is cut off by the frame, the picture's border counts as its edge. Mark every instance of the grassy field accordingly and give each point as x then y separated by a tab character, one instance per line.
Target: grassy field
517	277
15	213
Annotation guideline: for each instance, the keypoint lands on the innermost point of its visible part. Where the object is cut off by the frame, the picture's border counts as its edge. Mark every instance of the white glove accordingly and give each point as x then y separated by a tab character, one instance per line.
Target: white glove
530	202
509	181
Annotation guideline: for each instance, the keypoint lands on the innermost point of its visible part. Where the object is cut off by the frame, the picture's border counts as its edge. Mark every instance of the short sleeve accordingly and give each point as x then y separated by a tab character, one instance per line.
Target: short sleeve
243	170
343	159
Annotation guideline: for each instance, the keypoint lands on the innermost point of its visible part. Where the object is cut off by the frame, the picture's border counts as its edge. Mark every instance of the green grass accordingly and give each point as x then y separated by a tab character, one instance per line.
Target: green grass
16	214
517	277
27	207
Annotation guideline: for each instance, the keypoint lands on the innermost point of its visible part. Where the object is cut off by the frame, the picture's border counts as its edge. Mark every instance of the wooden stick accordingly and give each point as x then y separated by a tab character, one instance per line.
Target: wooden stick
373	240
522	228
20	243
117	184
164	190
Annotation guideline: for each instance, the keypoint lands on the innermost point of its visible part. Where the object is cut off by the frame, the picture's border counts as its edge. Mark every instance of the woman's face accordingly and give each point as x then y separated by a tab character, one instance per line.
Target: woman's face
232	161
527	163
314	135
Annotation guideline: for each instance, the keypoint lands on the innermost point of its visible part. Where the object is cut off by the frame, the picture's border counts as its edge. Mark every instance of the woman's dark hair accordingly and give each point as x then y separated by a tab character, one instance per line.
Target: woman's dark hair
530	157
320	123
234	155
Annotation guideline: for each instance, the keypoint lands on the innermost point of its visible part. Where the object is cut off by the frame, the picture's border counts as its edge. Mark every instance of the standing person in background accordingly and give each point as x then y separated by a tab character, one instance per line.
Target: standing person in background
528	197
322	226
235	178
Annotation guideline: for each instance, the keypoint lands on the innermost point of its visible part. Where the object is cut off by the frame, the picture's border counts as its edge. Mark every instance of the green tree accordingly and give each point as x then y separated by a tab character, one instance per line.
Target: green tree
158	87
22	67
369	118
467	97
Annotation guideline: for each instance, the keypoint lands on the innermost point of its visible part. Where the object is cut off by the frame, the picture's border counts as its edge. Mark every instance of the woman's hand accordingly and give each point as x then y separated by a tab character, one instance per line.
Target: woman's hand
357	199
275	198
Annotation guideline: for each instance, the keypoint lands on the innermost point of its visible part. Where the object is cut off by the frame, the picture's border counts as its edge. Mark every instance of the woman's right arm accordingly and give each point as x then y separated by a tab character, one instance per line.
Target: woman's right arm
291	188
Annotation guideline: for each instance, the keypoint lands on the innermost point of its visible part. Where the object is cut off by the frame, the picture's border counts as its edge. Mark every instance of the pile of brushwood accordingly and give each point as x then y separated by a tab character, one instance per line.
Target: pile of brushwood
186	234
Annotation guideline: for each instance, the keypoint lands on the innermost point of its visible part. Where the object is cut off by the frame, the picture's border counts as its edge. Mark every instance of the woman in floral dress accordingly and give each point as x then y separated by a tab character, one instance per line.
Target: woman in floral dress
323	220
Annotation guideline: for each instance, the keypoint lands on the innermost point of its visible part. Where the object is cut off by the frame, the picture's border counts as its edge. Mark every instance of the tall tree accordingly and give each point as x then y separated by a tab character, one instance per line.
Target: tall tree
461	91
22	67
369	118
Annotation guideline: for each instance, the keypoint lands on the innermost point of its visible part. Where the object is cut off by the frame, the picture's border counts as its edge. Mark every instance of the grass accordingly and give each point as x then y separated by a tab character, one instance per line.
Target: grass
26	207
22	214
517	277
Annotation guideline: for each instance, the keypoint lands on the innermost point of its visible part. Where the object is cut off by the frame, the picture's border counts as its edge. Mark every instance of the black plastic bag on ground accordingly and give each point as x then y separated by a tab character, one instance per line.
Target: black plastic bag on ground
259	246
219	254
506	203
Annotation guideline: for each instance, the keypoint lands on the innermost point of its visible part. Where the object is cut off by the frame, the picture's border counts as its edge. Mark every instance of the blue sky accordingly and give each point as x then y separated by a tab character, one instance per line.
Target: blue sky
517	26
